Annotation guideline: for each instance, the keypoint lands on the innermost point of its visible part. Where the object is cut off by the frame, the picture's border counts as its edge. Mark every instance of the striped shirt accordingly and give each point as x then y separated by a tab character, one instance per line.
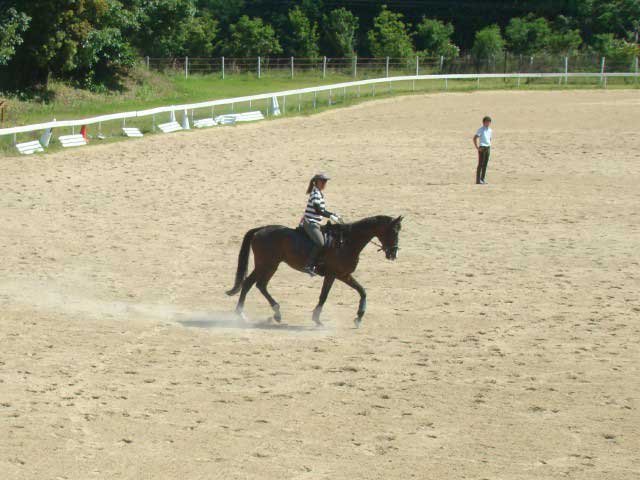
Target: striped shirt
316	199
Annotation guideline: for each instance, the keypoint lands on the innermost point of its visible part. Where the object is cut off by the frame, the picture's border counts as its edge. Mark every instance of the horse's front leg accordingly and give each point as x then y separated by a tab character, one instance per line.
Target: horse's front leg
362	307
326	288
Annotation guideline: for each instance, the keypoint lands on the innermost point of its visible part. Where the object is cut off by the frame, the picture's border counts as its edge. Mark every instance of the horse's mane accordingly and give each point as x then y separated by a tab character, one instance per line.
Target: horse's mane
347	228
375	220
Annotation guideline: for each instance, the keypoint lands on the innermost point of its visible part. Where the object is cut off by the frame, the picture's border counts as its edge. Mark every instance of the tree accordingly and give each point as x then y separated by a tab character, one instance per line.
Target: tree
51	43
105	54
434	38
619	17
301	39
250	37
12	25
617	51
225	11
171	28
389	36
528	35
340	27
488	43
565	38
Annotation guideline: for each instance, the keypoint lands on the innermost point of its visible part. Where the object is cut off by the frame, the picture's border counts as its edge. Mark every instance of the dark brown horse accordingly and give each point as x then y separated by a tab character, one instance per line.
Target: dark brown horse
275	244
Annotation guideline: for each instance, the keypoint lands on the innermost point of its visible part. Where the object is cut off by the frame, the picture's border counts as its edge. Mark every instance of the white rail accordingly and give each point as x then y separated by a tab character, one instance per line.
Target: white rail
322	88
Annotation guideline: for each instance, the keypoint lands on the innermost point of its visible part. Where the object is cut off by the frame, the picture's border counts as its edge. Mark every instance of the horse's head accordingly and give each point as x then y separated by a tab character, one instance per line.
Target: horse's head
389	237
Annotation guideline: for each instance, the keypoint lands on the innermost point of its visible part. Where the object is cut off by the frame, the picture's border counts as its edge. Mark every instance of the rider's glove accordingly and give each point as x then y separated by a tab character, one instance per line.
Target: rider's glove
335	218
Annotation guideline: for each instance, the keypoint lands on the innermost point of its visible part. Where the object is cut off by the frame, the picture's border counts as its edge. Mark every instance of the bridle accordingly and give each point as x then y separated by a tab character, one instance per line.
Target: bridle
386	250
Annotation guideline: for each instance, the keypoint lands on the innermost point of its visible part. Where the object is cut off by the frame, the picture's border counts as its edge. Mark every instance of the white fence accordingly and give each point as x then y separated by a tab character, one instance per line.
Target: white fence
562	78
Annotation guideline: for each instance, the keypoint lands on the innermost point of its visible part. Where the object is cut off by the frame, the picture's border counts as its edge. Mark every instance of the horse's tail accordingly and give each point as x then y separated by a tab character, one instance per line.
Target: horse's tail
243	261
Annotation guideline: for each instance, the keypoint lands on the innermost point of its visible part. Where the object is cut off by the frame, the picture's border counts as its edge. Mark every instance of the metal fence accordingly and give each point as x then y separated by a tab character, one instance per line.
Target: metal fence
365	68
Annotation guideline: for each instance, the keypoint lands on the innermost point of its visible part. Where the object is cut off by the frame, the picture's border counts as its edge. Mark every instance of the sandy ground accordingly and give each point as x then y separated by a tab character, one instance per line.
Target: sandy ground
503	344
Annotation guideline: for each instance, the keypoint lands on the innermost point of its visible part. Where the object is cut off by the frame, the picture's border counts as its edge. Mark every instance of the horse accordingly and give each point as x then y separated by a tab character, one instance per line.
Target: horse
274	244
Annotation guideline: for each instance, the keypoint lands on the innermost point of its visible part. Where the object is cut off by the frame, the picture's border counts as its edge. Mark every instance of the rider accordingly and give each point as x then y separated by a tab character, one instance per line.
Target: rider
316	209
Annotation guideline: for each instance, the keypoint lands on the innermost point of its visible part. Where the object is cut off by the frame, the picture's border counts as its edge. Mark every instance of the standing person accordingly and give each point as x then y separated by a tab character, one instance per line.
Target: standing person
315	210
483	135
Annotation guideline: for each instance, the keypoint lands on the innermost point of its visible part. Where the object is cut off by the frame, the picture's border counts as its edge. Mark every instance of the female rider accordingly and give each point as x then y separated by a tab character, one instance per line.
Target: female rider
316	209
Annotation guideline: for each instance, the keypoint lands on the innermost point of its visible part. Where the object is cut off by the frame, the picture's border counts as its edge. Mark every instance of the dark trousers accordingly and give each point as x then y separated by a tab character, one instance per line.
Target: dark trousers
483	160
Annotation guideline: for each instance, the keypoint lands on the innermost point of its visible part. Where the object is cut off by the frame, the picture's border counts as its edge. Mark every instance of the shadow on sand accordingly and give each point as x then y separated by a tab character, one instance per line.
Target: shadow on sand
221	320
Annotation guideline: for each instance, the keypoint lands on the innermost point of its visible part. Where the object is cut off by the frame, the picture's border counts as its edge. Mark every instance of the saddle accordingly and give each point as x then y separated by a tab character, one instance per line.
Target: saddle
333	234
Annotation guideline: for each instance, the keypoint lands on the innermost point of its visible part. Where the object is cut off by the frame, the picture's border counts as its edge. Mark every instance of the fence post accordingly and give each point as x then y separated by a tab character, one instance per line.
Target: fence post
441	62
417	66
324	67
186	67
635	79
387	68
355	66
147	62
602	77
259	67
292	67
566	70
284	104
223	68
561	78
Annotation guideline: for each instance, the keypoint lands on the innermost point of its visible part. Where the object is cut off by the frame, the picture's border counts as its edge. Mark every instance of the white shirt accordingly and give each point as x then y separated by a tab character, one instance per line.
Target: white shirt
484	134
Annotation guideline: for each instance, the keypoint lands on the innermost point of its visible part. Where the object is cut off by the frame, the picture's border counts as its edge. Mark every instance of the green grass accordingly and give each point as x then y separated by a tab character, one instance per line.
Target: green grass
148	90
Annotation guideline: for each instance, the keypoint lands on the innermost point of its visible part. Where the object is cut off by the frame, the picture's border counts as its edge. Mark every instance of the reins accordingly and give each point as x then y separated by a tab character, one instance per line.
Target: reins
382	248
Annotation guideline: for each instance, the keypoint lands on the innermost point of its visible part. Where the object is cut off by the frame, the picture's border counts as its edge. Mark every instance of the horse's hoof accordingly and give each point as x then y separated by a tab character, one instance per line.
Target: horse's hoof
242	318
277	316
358	322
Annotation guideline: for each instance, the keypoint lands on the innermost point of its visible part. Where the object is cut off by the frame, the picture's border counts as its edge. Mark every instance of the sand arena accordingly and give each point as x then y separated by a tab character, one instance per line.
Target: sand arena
504	342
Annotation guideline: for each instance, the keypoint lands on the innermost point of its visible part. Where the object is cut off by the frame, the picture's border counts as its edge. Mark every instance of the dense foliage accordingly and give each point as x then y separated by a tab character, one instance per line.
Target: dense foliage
93	43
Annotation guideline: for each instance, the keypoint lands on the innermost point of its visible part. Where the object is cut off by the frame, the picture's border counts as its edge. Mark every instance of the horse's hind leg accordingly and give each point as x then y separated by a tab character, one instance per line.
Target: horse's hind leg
246	286
326	288
261	283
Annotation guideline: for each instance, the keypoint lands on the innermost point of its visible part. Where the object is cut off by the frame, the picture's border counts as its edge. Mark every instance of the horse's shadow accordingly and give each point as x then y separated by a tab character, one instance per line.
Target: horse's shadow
230	321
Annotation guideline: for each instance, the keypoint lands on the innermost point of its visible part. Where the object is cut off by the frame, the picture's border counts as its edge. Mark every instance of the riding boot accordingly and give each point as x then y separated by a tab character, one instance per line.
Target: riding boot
313	260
